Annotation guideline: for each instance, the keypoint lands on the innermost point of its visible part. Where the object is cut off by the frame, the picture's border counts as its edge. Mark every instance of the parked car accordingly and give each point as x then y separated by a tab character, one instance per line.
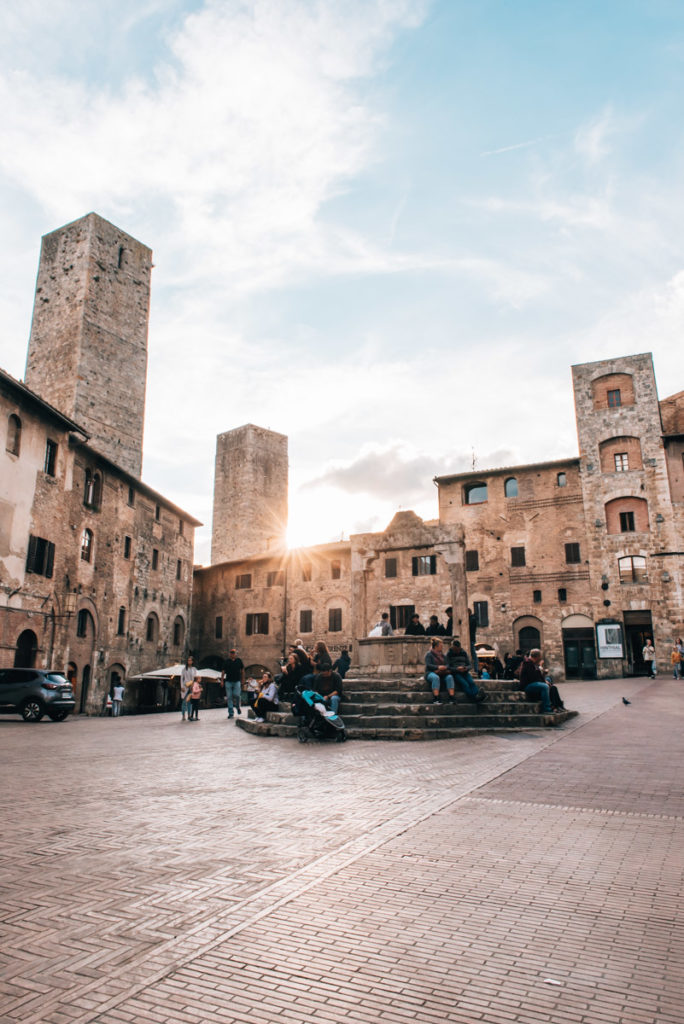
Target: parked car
34	692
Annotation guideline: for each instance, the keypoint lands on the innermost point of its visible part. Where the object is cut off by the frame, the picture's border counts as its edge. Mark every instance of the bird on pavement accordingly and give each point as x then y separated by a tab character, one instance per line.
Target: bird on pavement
625	701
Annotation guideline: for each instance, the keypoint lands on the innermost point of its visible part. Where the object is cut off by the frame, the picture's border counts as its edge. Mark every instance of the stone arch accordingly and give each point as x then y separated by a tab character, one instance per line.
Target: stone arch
611	384
528	632
13	442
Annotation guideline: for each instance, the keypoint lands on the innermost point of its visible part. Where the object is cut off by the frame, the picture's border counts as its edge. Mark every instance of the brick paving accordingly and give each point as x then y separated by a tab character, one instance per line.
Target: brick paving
155	871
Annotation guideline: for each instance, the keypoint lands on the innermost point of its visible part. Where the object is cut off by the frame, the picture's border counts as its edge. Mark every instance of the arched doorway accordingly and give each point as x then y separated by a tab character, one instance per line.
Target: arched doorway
529	638
85	683
27	648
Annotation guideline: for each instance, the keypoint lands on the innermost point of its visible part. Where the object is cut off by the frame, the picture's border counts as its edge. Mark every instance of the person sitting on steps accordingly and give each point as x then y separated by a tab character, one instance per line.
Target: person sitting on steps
436	670
532	680
458	663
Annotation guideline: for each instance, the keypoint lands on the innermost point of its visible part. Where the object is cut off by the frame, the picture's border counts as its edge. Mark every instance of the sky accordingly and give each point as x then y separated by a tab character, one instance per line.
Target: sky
385	228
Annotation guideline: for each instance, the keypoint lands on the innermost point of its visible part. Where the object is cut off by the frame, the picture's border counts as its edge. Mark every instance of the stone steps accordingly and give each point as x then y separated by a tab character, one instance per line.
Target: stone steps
402	709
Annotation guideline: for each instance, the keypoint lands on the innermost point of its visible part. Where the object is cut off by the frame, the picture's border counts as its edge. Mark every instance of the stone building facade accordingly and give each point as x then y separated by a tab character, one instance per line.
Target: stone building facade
581	556
95	566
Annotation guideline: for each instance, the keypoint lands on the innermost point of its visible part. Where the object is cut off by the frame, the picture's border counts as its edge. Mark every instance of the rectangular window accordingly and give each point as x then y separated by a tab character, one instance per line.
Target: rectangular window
517	557
306	621
257	624
155	558
632	569
390	568
41	557
481	612
561	480
536	596
181	527
335	570
157	513
562	595
50	466
179	566
424	565
121	624
614	399
334	620
627	522
472	561
306	572
572	554
400	615
127	547
275	578
218	631
243	581
131	496
621	462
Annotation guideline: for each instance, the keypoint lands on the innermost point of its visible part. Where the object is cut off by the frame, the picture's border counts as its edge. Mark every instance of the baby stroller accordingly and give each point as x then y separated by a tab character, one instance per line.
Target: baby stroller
316	722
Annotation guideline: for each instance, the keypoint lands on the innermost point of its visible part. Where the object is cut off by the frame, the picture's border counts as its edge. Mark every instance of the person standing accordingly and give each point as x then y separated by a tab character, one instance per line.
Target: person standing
649	657
195	698
472	630
233	678
415	626
117	698
187	678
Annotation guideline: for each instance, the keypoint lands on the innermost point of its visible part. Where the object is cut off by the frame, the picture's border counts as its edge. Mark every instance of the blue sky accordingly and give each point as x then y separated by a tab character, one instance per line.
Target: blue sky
386	228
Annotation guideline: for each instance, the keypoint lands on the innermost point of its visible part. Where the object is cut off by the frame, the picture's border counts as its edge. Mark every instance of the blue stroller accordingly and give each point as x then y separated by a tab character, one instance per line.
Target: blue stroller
316	722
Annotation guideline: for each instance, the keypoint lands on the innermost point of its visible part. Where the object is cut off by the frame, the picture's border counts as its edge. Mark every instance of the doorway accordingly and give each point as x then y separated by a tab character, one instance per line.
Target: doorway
85	682
638	627
27	648
579	652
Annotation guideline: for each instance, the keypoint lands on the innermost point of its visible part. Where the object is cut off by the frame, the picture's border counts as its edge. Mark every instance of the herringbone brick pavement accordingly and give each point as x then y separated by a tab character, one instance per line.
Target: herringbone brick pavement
160	872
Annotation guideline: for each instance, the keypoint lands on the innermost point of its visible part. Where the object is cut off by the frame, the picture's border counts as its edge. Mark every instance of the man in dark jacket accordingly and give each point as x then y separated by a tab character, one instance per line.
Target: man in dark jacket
458	664
329	685
532	680
415	626
434	628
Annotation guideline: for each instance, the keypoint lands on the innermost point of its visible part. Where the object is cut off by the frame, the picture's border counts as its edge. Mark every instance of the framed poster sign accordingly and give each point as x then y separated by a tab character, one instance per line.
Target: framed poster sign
609	640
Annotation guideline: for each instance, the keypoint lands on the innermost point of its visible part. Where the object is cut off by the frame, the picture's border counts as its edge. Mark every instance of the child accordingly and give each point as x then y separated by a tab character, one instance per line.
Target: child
195	697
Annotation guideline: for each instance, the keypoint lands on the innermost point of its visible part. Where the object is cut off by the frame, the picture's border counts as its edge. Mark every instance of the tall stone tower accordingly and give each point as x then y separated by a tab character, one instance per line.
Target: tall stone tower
250	493
88	348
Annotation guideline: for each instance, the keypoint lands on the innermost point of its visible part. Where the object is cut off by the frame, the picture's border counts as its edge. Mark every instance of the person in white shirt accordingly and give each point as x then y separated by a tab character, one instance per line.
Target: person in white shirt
117	699
268	697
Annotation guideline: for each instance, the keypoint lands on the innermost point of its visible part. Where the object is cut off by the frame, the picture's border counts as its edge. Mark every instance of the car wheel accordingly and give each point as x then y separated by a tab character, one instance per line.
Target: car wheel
32	710
57	716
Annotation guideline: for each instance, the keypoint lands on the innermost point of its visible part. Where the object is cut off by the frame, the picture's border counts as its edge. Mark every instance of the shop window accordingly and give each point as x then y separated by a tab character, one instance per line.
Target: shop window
50	464
41	557
474	494
517	557
390	568
424	565
13	443
334	620
257	624
306	621
511	487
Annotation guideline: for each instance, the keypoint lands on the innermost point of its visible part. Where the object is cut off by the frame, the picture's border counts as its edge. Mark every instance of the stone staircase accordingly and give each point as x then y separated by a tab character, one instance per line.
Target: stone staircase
400	708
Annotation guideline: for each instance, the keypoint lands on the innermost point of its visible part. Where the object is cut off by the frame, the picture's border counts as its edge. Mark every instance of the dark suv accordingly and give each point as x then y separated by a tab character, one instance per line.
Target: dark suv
34	692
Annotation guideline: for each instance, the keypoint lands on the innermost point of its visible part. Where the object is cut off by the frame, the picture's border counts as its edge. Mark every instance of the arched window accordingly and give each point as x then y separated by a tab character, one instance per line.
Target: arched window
13	435
27	648
92	490
627	515
632	569
511	487
87	545
84	623
178	632
152	628
529	638
562	480
474	494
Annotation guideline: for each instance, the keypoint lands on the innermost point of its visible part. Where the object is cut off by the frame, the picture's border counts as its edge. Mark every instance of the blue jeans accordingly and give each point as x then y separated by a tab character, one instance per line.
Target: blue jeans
435	681
333	702
467	684
539	691
233	693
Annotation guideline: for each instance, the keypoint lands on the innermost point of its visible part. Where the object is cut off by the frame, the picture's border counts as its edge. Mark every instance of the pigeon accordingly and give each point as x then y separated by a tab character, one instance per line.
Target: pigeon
625	701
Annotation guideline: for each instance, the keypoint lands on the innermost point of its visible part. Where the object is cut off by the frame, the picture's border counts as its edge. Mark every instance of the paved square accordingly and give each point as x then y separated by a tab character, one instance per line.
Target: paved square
155	871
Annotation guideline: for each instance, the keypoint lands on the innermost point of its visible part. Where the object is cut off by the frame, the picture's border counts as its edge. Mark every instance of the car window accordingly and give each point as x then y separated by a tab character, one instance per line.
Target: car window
56	677
17	675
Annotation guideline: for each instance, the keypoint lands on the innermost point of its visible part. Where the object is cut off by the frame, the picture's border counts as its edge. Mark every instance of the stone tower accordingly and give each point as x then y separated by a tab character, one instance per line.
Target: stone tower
88	348
250	493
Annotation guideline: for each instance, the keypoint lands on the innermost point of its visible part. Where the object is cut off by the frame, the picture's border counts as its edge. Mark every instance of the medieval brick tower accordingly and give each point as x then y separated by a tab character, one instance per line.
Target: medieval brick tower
250	493
88	348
